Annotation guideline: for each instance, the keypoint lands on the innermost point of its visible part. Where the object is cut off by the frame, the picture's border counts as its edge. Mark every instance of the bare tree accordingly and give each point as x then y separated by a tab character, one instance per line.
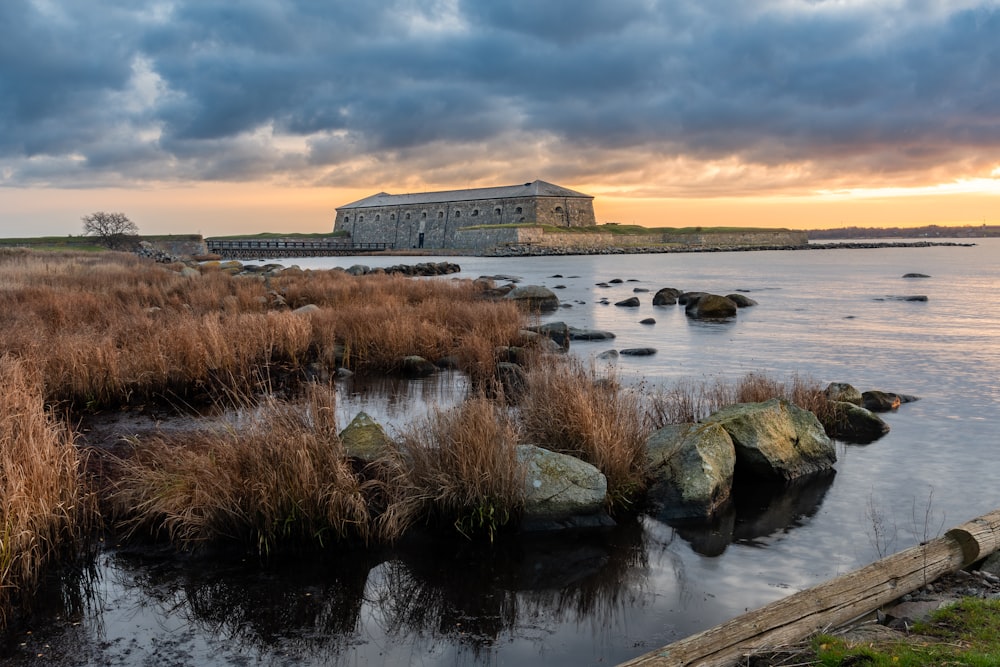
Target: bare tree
113	230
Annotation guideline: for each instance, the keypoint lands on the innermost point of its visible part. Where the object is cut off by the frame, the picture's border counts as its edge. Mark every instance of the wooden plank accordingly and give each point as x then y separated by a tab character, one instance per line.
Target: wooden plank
832	603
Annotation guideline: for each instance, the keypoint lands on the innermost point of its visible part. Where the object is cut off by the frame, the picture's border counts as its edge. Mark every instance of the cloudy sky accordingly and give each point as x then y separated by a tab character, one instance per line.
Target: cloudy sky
219	116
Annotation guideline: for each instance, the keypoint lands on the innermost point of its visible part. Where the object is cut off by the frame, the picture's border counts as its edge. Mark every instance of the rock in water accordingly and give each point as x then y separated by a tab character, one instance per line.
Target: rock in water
561	491
534	298
692	469
776	439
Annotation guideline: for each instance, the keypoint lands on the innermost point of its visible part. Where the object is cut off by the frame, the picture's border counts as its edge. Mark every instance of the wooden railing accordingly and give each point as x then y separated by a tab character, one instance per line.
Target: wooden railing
262	248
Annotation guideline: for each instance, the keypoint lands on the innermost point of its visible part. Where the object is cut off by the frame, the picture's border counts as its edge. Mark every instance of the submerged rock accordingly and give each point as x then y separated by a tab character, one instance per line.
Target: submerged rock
638	351
853	423
589	334
710	307
741	300
631	302
666	296
879	401
415	366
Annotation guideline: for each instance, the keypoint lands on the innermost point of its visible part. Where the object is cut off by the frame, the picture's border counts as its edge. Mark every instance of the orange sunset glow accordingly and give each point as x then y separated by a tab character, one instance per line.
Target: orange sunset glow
226	120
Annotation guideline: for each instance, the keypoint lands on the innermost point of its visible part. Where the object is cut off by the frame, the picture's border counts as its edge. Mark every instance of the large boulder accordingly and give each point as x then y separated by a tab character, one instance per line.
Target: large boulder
365	440
631	302
853	423
666	296
534	298
561	491
691	468
841	392
710	307
776	439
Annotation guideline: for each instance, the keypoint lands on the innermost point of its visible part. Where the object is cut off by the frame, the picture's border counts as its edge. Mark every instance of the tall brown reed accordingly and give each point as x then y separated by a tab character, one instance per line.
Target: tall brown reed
45	510
572	409
458	466
278	480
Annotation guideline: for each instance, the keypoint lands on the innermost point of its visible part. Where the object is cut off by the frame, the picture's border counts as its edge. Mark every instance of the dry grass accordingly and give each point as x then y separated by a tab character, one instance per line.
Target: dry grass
572	410
458	466
127	328
278	480
692	401
44	508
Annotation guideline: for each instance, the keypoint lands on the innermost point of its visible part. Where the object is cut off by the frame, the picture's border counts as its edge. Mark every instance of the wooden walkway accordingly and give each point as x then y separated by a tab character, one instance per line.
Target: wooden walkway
266	248
833	603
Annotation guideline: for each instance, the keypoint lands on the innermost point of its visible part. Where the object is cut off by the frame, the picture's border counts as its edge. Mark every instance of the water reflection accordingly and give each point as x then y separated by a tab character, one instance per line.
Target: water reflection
757	512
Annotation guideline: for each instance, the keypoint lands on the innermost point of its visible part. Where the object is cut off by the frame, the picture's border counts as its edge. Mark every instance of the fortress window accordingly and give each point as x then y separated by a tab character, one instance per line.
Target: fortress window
518	210
407	216
440	214
347	218
378	217
423	216
392	216
496	211
458	214
361	218
558	209
475	212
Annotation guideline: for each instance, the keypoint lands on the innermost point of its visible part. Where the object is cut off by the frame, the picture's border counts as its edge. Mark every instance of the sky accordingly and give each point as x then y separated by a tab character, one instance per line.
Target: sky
222	117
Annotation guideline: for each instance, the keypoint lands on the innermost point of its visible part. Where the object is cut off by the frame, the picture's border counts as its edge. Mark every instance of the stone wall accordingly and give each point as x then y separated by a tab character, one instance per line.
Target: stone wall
184	247
484	238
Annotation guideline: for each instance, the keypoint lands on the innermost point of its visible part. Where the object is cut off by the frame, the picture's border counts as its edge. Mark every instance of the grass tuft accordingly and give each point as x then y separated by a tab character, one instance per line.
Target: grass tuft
45	509
457	466
277	481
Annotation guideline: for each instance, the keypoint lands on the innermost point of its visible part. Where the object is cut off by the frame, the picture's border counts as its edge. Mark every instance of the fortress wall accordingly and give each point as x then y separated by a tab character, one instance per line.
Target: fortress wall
491	237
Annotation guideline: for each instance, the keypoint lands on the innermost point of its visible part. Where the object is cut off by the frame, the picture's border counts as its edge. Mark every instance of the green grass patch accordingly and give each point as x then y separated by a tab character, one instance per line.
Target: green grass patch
966	633
51	243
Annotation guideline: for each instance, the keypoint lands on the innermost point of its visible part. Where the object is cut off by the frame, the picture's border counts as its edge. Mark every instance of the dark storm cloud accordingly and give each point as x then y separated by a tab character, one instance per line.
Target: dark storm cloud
194	89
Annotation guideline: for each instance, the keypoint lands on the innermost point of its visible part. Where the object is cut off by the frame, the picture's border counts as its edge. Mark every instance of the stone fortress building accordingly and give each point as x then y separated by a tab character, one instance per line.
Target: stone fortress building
436	219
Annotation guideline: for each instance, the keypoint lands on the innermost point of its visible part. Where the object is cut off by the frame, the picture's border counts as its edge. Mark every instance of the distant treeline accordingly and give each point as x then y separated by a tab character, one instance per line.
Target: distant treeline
928	231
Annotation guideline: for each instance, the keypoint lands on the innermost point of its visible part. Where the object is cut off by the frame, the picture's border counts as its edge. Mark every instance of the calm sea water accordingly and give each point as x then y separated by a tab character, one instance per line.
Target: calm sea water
826	314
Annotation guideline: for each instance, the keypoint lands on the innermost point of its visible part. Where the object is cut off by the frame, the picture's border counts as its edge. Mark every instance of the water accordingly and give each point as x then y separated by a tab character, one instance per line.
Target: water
608	598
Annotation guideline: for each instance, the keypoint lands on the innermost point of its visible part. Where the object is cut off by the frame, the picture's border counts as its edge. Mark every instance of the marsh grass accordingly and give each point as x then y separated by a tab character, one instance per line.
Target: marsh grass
572	409
45	509
458	467
128	329
278	480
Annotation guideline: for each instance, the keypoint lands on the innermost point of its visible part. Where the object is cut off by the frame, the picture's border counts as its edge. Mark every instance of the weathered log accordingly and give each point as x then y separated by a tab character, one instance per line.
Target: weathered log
832	603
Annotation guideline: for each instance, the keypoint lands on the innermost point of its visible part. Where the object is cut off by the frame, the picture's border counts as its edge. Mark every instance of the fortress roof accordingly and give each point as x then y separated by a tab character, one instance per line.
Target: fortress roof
534	189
